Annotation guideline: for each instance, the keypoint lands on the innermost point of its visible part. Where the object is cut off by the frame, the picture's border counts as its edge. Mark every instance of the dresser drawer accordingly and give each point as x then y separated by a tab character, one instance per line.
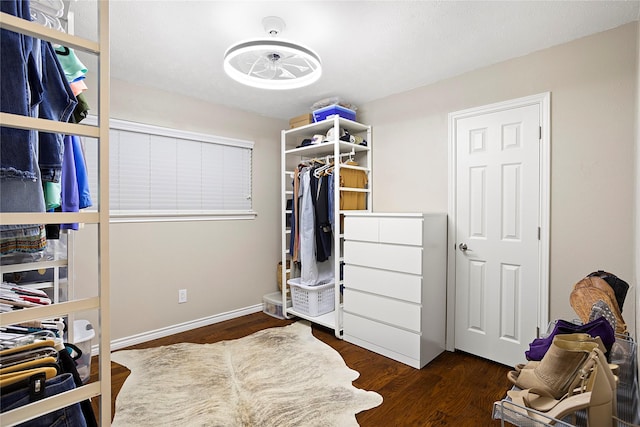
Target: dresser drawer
361	228
394	312
379	334
403	231
407	259
402	286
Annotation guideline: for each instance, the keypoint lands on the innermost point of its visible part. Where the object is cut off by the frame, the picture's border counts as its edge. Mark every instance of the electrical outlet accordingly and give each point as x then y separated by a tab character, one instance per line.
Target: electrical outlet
182	296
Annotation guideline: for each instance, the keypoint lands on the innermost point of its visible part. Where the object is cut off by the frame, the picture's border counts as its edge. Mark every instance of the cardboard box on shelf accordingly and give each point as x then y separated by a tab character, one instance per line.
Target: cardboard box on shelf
301	120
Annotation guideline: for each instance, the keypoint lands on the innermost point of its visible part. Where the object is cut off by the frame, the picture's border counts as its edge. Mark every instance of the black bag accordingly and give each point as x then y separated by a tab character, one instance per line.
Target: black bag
619	286
68	364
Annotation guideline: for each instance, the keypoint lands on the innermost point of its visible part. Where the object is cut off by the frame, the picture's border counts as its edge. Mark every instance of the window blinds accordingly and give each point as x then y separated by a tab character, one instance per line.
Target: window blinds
159	171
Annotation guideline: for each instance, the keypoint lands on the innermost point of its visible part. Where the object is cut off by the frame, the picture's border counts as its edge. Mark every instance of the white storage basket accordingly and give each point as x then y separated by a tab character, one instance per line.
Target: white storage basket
312	300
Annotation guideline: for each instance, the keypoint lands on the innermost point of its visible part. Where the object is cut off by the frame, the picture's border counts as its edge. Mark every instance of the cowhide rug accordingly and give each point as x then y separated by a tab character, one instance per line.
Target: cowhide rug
275	377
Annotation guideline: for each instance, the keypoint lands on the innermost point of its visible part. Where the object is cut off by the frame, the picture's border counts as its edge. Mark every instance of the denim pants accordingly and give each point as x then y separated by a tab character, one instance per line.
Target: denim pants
71	416
22	195
21	91
35	80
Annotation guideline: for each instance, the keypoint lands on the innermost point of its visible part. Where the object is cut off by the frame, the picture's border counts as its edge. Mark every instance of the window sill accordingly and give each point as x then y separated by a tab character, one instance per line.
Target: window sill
150	216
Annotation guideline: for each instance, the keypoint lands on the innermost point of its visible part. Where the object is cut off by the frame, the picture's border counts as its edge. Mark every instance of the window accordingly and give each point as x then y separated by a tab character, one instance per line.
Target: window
160	174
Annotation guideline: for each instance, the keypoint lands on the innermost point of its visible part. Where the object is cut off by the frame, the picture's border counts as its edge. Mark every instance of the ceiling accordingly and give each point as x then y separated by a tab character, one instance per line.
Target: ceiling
369	49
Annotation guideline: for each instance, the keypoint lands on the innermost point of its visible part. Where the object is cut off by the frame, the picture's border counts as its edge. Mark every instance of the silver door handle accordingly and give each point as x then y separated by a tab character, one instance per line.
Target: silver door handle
463	247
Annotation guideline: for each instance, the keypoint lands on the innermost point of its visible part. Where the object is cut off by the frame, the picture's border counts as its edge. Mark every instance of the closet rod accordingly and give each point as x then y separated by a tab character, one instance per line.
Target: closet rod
359	168
331	156
349	154
354	190
22	26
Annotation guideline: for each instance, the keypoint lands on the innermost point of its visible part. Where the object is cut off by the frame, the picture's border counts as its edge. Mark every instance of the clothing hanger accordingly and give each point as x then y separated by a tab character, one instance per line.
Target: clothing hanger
49	7
318	172
40	362
350	160
28	356
20	376
35	344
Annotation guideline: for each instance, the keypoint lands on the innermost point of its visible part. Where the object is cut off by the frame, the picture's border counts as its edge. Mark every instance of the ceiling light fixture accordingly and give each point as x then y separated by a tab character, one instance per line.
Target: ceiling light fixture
272	63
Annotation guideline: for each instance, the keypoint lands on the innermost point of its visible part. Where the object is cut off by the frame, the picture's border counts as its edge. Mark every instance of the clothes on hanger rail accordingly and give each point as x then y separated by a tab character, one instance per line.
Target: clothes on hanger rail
311	222
39	368
31	162
313	270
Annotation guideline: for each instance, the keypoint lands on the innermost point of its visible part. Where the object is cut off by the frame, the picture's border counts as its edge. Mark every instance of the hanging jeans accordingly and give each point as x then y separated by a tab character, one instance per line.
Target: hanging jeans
21	91
71	416
21	195
36	80
17	195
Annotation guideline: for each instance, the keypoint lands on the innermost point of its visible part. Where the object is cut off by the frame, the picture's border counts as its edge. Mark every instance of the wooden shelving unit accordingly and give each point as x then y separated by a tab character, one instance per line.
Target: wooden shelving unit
100	389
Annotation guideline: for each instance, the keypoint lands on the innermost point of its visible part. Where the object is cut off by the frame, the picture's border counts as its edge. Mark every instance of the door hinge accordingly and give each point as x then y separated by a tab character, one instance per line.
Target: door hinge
539	233
540	133
537	332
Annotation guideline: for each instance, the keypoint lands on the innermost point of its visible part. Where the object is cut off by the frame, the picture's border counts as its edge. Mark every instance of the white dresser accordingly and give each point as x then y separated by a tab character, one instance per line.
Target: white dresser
395	284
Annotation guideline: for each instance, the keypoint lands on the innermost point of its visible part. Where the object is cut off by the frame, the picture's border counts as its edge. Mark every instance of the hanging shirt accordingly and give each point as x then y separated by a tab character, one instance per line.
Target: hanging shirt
58	104
70	63
295	217
351	200
84	195
308	267
323	226
70	195
311	272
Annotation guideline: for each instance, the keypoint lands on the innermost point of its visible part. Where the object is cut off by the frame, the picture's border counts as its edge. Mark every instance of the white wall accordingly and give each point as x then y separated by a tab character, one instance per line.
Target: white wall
593	85
224	265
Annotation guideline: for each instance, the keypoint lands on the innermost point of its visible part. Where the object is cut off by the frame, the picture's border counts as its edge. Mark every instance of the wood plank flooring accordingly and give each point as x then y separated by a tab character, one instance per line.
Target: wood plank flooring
456	389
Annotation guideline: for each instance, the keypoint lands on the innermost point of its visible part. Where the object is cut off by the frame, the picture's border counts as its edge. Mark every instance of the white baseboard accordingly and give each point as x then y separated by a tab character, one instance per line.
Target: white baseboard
174	329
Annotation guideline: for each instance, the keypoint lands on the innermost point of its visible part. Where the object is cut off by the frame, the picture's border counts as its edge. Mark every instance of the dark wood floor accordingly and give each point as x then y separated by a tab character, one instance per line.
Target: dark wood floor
455	389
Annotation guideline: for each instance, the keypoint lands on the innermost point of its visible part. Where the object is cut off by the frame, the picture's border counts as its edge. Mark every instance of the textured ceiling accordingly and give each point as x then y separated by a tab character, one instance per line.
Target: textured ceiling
369	49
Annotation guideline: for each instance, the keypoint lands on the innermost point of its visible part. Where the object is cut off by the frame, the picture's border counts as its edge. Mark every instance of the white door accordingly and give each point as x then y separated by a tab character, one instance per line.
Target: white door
497	274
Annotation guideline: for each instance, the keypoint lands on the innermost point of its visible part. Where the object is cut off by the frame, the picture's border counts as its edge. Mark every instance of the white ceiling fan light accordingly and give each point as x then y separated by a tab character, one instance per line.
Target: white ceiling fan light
272	63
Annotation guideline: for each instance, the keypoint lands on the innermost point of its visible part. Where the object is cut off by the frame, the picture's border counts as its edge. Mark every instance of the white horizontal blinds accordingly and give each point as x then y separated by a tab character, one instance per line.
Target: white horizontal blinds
156	174
189	179
134	169
237	180
114	170
214	175
226	170
163	182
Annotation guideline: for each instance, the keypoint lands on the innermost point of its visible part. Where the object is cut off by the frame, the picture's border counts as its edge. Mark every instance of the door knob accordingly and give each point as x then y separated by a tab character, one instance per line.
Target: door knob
463	247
